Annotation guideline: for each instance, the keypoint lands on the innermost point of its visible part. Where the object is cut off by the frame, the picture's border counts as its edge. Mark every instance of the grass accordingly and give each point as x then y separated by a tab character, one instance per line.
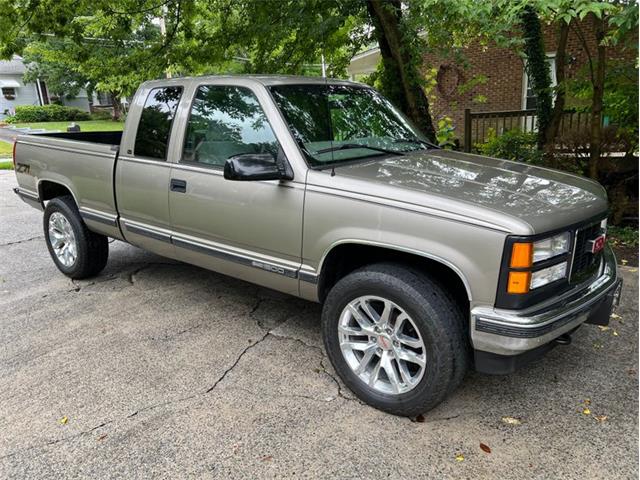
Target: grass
6	149
85	126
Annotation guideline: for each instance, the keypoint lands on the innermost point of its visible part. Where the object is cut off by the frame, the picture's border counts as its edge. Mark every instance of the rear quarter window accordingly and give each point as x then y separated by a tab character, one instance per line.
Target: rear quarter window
154	129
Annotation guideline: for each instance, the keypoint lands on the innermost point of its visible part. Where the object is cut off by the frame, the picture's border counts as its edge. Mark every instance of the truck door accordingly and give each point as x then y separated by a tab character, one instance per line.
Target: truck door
142	170
247	229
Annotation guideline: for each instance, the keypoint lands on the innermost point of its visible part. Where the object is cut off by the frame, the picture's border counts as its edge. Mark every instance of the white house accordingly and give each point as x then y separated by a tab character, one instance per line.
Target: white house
14	92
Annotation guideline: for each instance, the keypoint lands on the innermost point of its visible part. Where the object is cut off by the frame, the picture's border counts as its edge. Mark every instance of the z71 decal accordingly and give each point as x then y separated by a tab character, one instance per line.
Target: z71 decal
22	168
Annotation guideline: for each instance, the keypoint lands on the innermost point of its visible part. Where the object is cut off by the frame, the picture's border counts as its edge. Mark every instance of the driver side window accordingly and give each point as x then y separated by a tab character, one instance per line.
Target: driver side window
226	121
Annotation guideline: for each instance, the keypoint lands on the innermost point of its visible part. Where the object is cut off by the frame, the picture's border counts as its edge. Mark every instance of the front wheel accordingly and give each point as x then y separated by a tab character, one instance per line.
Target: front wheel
77	251
395	337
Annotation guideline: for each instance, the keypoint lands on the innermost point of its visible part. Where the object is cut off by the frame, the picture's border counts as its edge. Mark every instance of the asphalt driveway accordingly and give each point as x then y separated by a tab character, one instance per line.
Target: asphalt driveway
160	369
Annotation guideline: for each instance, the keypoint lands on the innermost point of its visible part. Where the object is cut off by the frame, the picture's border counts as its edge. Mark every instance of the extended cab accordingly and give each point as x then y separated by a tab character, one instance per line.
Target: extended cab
427	261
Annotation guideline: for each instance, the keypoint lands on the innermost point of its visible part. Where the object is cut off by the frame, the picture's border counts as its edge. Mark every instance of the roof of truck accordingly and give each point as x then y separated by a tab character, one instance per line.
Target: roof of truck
266	80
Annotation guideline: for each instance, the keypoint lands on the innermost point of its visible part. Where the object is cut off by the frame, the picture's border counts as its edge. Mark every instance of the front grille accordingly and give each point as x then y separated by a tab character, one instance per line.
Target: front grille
585	262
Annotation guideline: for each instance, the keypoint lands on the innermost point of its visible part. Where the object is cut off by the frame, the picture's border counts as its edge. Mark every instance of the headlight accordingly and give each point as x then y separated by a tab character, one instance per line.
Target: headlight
525	256
548	275
551	247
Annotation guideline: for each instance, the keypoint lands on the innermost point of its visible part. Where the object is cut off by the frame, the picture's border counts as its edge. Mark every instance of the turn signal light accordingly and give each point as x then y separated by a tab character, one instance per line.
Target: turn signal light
518	282
521	255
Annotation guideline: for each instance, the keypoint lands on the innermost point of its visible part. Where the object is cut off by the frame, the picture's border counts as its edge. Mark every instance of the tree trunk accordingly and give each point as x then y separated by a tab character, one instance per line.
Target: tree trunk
399	64
596	102
537	69
558	107
117	110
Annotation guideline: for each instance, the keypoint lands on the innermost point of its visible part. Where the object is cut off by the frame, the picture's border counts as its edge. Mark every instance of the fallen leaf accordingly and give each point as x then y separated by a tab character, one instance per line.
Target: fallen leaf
597	345
63	420
615	334
633	270
101	437
586	411
459	458
485	448
267	458
420	418
601	418
511	420
587	401
624	262
615	316
603	328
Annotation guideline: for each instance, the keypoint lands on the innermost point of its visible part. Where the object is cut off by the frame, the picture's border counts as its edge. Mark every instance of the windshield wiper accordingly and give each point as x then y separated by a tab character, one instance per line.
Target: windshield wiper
350	146
416	140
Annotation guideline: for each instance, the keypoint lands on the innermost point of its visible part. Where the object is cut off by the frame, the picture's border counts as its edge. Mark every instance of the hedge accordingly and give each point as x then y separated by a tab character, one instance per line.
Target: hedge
48	113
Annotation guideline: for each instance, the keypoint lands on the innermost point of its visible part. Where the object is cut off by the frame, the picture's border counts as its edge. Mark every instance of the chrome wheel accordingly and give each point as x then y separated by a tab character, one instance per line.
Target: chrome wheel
62	239
382	345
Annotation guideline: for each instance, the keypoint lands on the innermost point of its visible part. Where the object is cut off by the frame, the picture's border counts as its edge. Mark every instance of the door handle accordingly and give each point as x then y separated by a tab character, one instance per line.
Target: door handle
179	186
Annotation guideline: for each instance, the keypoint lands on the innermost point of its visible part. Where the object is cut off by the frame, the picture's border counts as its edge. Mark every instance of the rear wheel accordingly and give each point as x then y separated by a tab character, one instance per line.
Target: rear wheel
77	251
395	337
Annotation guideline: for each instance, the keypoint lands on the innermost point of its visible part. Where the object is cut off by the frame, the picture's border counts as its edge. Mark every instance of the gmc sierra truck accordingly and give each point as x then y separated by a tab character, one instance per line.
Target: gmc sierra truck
428	262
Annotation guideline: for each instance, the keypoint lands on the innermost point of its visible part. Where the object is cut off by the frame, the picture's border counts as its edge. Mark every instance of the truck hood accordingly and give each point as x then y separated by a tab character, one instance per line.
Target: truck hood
522	198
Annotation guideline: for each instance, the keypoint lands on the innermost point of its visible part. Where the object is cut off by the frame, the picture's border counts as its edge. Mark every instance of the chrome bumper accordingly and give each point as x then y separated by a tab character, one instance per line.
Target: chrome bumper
510	332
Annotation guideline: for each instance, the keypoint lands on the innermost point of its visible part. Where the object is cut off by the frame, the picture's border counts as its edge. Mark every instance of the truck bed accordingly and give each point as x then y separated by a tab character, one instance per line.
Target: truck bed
83	162
106	138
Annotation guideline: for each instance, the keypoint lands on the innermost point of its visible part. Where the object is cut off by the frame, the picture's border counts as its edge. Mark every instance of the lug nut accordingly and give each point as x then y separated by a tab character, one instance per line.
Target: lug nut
396	343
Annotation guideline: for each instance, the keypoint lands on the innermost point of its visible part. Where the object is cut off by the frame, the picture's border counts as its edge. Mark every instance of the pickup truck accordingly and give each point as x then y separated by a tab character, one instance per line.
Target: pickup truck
428	262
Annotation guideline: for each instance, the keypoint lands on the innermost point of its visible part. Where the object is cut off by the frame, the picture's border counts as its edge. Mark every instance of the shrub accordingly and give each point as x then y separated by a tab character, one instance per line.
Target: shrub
48	113
446	134
101	115
512	145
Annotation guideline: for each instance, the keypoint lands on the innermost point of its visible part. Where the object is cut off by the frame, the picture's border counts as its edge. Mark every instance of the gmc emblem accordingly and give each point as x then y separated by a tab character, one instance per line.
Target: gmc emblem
597	244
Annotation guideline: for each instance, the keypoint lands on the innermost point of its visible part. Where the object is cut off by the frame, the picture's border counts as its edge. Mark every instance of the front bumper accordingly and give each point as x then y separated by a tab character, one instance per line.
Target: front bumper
514	337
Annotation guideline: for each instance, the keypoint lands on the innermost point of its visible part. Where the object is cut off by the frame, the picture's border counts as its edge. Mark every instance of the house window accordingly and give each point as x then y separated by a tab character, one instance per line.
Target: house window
529	100
9	93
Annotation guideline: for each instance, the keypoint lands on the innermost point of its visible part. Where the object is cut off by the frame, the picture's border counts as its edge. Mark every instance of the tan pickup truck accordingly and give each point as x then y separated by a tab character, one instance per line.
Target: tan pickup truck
427	261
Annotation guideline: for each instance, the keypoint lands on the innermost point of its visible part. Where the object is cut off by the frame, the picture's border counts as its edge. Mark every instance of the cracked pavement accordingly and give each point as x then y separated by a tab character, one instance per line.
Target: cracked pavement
167	370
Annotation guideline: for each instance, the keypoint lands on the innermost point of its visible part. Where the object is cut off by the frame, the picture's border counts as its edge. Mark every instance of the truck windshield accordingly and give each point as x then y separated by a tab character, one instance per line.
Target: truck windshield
335	124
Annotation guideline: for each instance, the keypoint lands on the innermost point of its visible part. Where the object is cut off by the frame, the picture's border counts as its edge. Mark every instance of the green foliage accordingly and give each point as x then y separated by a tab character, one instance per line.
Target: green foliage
48	60
48	113
627	236
446	133
512	145
537	69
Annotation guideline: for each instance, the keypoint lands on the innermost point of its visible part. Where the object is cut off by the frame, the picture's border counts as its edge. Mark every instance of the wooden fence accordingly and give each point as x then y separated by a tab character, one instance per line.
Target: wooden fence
479	126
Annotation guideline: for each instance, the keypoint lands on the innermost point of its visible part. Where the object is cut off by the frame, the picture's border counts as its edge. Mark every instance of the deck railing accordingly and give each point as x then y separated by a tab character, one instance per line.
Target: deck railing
478	126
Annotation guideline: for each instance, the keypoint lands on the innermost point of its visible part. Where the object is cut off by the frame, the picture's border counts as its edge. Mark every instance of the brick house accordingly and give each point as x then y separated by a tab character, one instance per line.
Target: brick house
506	88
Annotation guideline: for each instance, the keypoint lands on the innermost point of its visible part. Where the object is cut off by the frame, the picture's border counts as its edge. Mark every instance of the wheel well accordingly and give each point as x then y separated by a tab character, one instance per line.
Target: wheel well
49	190
346	258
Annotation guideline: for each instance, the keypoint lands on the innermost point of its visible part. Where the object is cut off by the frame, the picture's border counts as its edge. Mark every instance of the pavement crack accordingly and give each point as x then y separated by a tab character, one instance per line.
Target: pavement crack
21	241
323	368
237	360
132	275
57	441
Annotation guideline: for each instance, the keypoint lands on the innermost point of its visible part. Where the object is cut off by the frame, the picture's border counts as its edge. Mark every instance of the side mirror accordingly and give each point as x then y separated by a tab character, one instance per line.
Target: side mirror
252	167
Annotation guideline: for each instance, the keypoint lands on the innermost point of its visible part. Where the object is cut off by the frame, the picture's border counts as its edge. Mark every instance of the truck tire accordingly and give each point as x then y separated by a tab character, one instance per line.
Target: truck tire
396	338
76	251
